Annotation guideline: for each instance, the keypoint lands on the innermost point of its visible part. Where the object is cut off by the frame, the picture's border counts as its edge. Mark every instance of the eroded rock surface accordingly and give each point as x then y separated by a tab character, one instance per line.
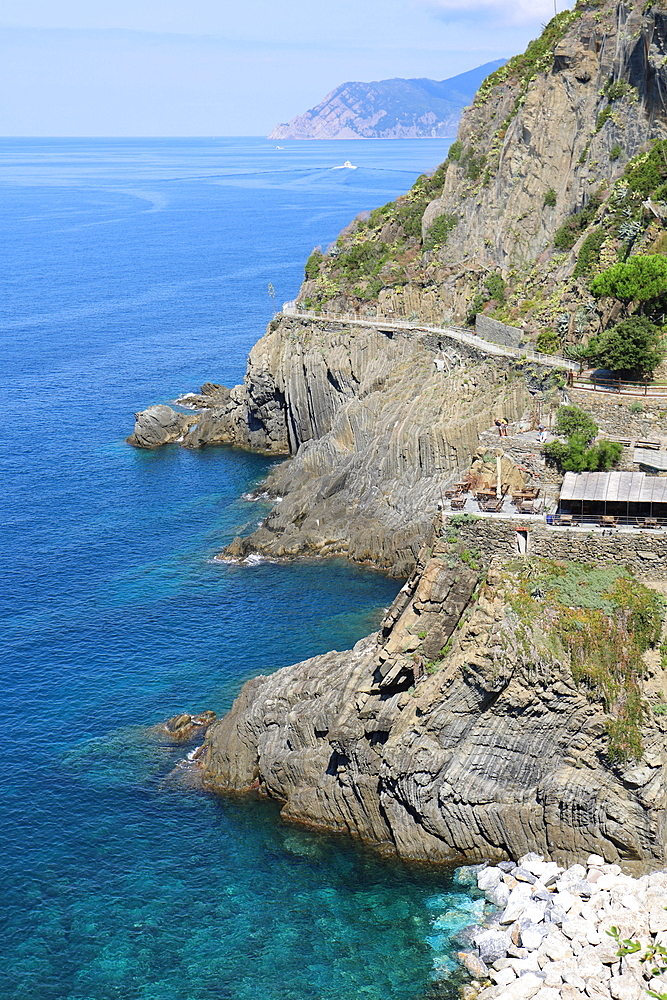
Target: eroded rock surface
159	425
445	736
376	429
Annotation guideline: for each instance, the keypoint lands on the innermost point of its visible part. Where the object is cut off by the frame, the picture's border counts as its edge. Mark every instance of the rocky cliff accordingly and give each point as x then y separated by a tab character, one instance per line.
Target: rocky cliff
389	109
544	186
376	429
465	728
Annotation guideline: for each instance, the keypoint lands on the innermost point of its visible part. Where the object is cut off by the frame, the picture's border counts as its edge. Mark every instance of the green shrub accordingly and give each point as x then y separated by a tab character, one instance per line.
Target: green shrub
603	118
455	151
639	279
312	267
589	253
547	342
637	408
475	307
568	233
438	232
550	198
616	89
579	454
646	173
633	345
573	420
615	152
495	286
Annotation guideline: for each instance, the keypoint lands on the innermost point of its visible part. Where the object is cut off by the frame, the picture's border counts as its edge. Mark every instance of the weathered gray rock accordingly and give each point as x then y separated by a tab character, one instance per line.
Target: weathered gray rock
492	945
159	425
374	429
439	765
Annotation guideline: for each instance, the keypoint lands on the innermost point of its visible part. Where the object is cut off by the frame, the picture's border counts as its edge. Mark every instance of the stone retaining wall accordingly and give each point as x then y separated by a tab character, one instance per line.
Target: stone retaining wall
642	551
497	332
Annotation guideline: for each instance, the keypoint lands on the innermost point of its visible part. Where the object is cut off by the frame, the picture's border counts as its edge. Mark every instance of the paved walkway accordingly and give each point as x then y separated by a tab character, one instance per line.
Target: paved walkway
463	337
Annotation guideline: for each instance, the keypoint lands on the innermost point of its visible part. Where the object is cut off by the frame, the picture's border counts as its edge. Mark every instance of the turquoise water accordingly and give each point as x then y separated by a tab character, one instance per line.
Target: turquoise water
134	270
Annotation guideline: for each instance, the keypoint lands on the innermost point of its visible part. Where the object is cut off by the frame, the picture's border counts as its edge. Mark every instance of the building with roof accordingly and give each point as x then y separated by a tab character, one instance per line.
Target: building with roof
631	498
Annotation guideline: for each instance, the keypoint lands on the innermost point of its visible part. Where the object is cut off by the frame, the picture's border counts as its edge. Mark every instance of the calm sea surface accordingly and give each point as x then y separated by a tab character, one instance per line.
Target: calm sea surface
133	270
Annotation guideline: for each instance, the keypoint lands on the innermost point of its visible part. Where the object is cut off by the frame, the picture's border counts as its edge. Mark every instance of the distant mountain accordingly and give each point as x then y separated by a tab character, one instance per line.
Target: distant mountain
389	109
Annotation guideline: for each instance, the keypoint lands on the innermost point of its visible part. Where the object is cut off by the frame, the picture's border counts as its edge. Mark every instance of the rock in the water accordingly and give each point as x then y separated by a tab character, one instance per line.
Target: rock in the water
159	425
185	727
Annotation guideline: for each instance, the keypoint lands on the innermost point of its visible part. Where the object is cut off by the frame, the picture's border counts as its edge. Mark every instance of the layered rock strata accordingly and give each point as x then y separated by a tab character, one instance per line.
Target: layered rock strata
376	428
446	735
558	935
551	139
545	144
159	425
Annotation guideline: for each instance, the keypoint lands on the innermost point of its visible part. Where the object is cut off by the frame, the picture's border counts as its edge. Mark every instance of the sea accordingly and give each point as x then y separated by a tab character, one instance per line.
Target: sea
134	270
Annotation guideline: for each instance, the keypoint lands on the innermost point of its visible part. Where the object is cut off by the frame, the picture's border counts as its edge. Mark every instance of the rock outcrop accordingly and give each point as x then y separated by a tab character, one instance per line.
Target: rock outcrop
159	425
548	142
549	137
448	735
376	428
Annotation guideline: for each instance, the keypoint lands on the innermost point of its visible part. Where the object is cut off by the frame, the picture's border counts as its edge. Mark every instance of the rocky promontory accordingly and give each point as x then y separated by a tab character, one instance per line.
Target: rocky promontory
388	109
470	726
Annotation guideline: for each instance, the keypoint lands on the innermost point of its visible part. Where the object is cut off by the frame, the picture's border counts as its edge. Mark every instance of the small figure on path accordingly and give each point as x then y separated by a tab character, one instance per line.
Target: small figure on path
504	424
499	424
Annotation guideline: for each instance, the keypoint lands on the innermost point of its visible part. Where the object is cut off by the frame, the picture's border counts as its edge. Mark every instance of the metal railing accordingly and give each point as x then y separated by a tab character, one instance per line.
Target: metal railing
616	385
606	521
462	336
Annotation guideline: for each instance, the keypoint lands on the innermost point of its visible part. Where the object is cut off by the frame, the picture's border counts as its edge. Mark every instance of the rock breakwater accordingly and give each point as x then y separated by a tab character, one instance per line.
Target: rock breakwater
589	931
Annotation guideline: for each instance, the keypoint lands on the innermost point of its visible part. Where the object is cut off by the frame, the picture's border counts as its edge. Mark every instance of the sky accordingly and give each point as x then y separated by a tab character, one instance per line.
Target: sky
224	67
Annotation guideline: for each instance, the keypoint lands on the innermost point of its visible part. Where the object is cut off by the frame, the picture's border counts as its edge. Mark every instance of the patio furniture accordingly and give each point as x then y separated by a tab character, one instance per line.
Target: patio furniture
649	522
607	521
457	503
565	519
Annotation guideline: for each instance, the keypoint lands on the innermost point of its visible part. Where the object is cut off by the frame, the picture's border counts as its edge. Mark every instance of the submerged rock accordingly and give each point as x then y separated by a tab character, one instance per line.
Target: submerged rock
183	727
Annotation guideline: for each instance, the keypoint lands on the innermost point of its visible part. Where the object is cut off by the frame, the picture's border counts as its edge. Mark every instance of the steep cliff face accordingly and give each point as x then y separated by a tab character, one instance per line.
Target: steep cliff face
543	132
376	430
449	735
547	143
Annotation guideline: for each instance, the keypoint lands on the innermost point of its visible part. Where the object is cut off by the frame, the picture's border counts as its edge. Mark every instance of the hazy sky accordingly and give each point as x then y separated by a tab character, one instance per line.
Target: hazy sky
217	67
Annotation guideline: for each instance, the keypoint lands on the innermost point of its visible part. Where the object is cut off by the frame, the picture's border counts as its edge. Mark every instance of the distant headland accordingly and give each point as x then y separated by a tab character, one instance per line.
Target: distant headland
389	109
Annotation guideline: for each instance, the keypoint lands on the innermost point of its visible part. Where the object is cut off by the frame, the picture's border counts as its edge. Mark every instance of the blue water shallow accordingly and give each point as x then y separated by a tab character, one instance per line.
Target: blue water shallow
134	270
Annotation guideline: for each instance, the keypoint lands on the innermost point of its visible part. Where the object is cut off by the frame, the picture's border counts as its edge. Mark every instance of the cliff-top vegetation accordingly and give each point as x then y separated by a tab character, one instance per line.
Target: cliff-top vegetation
603	620
432	255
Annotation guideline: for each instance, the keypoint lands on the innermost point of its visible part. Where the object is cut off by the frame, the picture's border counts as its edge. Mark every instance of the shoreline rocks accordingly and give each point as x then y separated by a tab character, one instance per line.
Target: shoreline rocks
556	933
158	425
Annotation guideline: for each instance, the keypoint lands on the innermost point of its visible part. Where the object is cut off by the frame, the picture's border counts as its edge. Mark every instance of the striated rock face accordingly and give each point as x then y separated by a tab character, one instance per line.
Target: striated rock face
376	430
551	140
446	736
545	136
159	425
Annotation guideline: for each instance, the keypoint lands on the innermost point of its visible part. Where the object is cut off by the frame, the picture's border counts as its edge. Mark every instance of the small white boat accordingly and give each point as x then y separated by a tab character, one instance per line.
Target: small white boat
345	166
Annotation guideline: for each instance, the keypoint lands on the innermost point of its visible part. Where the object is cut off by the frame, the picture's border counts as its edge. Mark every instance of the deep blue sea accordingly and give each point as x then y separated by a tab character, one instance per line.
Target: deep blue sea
133	270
